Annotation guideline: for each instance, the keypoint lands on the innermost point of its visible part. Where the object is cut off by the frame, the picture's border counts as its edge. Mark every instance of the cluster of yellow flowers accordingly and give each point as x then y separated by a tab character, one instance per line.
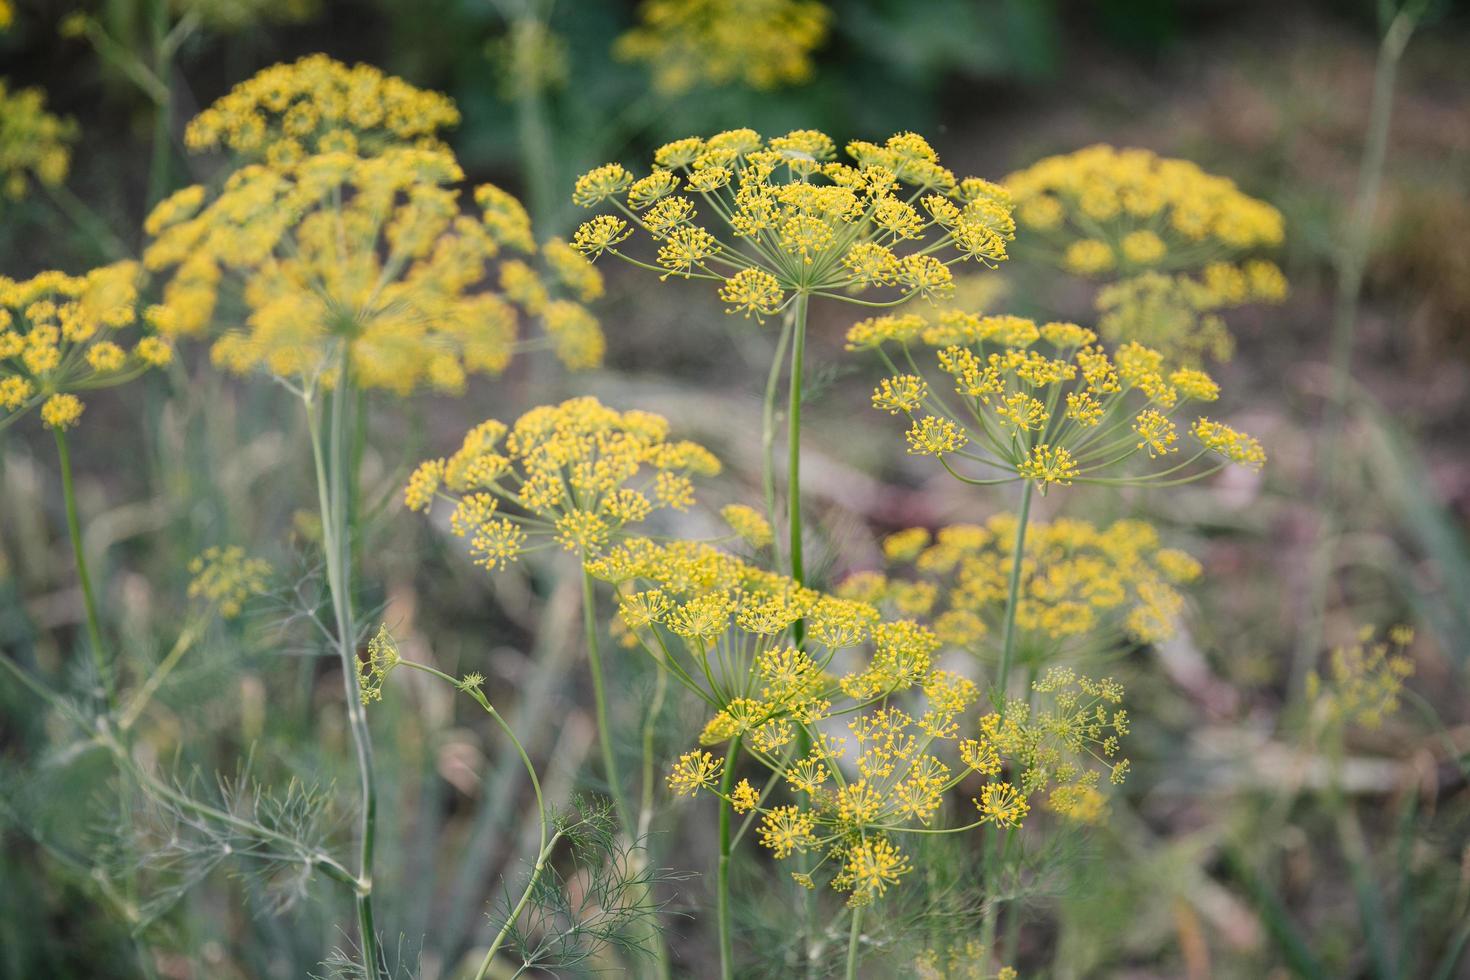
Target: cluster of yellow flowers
59	335
319	105
960	961
1078	582
759	43
576	474
798	221
374	254
1179	314
1364	680
719	625
226	577
1045	404
1167	236
34	144
1104	209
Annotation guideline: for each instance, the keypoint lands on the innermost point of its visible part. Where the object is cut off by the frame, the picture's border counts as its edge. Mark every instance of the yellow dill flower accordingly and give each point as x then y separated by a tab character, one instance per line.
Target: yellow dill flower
569	472
59	335
61	411
786	830
1043	403
749	523
370	255
227	578
694	771
1162	212
794	221
1233	445
319	105
34	144
1364	679
901	393
934	436
1088	257
1047	466
1143	247
373	670
872	865
744	798
761	44
1079	584
754	291
1002	804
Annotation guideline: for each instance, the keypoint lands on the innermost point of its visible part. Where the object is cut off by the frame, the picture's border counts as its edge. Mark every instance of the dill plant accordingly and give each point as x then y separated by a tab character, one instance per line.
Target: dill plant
340	234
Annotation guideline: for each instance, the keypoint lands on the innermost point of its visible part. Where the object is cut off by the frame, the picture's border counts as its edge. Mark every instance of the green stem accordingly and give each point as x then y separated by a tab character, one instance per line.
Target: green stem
722	877
599	695
854	934
768	420
84	576
92	227
645	811
158	165
992	844
1351	264
332	496
793	450
538	158
797	563
1013	593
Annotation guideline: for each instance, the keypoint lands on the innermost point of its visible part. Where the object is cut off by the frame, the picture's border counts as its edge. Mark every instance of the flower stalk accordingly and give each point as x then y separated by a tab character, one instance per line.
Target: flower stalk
333	495
84	576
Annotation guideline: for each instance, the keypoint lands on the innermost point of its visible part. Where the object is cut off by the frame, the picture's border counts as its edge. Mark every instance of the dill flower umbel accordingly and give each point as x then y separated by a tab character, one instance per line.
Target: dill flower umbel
1180	315
34	144
1171	240
372	255
1045	404
574	474
227	578
1103	211
318	105
791	220
1364	679
719	625
62	335
758	43
1080	584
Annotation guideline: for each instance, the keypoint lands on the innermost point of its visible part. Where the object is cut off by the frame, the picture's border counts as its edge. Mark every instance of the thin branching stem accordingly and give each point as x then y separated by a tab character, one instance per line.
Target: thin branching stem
599	695
332	494
84	575
854	942
723	913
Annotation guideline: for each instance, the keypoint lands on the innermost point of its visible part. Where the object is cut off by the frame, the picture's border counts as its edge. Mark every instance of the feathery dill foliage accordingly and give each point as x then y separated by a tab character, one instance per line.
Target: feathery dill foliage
1171	242
370	252
1080	585
758	43
62	335
599	896
1045	404
719	626
34	144
574	474
791	220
